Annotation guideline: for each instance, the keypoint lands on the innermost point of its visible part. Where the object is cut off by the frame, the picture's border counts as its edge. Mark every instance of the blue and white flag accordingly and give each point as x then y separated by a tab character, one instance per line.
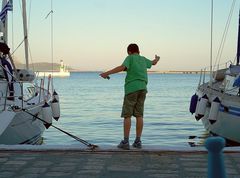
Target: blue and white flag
5	9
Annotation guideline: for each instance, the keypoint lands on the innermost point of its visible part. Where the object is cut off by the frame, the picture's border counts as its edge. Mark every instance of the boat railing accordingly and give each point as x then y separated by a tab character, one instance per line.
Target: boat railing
5	96
23	93
222	66
217	71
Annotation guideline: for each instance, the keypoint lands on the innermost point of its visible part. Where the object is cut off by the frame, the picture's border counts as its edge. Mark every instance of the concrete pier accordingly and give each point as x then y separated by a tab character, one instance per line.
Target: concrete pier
32	162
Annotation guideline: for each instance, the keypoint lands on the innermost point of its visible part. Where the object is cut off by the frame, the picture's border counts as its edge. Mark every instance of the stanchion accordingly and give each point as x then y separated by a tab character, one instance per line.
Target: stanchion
216	168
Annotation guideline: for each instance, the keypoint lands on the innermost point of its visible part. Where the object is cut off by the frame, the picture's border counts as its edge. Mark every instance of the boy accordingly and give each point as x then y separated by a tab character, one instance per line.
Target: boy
135	91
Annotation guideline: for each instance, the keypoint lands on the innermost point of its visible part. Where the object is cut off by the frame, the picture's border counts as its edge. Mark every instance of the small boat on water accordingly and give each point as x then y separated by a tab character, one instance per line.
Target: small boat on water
27	105
217	101
63	72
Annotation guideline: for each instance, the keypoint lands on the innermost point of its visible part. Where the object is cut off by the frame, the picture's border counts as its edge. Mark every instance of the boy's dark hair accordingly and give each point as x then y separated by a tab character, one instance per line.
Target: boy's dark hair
133	48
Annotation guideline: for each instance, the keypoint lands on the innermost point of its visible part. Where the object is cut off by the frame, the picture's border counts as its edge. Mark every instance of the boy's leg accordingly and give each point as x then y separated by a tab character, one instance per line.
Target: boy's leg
139	126
124	144
127	126
127	112
138	113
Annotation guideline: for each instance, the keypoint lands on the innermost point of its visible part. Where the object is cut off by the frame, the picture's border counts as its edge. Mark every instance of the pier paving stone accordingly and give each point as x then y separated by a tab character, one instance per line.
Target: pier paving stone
2	160
6	174
42	163
111	164
34	170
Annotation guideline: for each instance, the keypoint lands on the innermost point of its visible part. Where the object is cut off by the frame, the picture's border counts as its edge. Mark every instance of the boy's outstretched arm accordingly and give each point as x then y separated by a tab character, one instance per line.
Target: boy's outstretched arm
155	61
113	71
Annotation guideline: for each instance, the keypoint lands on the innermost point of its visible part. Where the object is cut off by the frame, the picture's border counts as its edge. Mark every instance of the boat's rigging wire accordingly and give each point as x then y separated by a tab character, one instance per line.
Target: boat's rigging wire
223	40
30	53
52	45
20	44
12	31
48	14
211	42
52	36
28	27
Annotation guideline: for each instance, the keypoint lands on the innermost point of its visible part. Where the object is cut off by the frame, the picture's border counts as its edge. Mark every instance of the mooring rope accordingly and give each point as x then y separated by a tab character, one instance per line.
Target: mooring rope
92	146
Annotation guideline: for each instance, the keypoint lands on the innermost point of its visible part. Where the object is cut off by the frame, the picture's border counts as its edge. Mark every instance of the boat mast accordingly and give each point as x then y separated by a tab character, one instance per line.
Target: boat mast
24	13
238	44
211	68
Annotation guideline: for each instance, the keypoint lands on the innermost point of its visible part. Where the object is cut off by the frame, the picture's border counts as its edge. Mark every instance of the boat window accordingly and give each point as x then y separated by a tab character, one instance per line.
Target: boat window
28	91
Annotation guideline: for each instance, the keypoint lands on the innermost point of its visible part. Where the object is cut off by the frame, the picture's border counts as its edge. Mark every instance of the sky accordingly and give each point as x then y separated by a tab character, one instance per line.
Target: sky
92	35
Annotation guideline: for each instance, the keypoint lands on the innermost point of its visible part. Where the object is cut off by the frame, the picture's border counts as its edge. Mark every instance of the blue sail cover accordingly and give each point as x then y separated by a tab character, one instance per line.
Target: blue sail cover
234	69
237	82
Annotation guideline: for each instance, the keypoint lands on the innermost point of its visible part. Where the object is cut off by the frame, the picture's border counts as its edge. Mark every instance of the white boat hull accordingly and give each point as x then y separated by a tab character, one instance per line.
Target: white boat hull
23	129
17	126
228	118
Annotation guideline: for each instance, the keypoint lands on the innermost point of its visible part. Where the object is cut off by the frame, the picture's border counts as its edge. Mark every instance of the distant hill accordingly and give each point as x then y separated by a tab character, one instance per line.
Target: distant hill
42	66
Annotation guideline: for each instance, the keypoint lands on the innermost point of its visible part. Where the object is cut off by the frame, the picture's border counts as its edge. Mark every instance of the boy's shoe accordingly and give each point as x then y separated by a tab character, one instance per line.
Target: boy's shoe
137	144
124	145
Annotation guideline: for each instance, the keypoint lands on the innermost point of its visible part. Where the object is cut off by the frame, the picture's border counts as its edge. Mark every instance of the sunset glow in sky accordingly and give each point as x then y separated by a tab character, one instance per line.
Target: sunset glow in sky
94	34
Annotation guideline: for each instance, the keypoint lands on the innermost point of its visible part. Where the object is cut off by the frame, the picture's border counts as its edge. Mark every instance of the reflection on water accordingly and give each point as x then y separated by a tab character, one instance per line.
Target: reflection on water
40	141
230	143
195	141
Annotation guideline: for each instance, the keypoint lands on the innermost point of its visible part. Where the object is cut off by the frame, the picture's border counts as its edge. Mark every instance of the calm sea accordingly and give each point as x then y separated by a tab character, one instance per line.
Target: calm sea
91	108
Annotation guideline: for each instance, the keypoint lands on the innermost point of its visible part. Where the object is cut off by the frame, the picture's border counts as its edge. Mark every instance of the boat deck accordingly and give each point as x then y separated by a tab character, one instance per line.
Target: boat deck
109	162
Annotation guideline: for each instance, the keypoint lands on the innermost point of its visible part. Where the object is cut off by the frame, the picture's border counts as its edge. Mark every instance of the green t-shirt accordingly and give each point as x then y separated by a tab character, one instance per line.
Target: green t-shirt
136	78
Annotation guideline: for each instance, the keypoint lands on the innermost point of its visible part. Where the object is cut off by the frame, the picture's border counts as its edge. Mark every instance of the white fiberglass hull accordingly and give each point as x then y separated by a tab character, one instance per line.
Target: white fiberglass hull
23	129
228	118
17	125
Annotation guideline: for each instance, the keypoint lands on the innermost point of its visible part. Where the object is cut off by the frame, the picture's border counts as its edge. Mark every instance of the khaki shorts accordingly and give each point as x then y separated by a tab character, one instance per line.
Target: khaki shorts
133	104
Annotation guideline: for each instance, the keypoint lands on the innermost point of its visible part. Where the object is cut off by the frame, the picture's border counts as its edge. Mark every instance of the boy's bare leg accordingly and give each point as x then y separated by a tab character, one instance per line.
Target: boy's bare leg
127	126
124	144
139	126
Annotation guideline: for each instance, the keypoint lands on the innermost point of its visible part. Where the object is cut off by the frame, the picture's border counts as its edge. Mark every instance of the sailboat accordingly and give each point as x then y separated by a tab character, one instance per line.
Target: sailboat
217	101
27	106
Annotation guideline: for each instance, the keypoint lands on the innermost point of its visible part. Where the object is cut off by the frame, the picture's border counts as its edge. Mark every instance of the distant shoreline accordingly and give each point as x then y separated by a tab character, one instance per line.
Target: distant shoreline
156	72
48	67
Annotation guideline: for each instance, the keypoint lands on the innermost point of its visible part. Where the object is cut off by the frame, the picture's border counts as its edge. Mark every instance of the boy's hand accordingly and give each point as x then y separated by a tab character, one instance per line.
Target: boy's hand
155	61
104	75
157	57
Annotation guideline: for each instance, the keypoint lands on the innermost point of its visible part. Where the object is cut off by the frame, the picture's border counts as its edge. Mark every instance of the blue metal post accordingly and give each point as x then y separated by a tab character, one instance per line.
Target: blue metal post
216	168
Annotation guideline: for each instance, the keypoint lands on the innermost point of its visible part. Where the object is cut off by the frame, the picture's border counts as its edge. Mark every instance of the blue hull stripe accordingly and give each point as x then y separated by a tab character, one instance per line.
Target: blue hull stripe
231	110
